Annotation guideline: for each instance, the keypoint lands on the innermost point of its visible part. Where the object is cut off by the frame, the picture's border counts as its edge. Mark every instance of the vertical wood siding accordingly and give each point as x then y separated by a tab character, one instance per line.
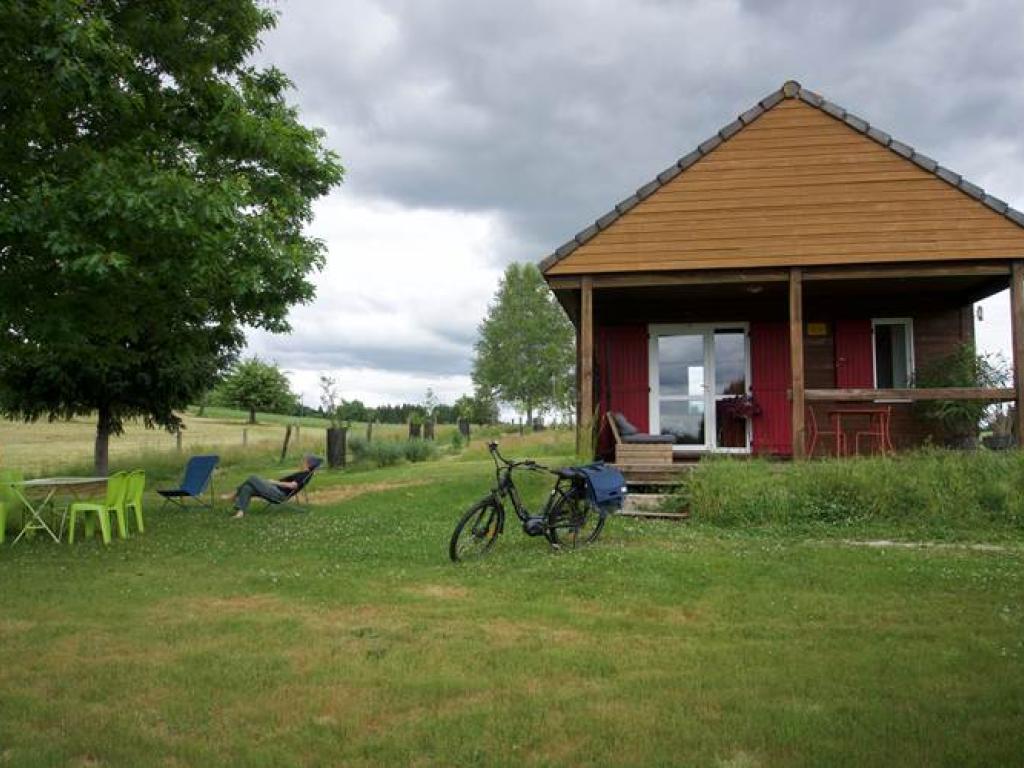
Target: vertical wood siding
770	380
854	354
622	378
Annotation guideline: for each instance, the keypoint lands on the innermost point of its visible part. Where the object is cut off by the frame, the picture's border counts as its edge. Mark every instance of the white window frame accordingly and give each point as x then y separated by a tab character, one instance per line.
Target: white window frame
908	326
655	330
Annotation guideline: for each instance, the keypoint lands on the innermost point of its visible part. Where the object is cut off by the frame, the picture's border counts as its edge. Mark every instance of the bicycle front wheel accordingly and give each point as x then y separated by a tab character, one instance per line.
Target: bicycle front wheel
477	531
574	521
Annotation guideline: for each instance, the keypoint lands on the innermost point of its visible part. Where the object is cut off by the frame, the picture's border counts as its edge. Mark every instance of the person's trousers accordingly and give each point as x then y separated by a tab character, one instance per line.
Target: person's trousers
257	486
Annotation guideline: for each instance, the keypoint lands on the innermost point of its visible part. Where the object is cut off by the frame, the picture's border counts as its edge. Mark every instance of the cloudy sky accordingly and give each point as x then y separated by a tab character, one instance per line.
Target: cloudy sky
478	133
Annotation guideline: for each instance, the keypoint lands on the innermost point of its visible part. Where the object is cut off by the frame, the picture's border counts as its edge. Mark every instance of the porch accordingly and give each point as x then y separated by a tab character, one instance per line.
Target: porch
676	350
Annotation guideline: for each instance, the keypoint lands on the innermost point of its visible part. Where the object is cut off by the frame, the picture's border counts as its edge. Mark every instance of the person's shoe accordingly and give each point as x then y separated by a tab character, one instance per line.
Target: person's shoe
239	514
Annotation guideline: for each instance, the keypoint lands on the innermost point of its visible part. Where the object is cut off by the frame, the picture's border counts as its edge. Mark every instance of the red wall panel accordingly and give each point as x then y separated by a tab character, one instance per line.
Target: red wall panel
621	376
770	380
854	354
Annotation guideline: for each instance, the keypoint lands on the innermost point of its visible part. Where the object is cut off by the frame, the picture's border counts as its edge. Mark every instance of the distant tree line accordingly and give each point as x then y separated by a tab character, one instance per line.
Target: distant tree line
476	410
254	385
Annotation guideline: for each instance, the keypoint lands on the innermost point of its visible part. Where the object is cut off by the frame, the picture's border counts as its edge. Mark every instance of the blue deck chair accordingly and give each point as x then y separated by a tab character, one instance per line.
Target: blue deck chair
290	498
198	478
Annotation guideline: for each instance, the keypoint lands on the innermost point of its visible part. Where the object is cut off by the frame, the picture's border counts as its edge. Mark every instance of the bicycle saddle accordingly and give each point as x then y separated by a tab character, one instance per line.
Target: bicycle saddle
567	473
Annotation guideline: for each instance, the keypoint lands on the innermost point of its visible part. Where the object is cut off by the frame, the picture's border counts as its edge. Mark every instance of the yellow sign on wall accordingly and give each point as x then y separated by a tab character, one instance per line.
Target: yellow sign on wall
817	329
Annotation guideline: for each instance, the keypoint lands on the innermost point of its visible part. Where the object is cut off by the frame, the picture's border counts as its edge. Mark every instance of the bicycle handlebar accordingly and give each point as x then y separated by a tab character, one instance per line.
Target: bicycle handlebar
527	463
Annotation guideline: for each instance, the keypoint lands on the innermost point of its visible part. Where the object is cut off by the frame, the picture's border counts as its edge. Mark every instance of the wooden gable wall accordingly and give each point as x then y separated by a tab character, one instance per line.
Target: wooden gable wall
797	187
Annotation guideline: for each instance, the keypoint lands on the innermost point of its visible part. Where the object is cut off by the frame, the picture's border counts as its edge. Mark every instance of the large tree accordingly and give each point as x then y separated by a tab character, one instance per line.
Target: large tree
525	352
153	193
257	386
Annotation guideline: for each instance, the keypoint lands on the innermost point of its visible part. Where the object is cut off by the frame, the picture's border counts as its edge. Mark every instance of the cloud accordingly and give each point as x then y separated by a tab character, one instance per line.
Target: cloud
479	133
550	112
402	293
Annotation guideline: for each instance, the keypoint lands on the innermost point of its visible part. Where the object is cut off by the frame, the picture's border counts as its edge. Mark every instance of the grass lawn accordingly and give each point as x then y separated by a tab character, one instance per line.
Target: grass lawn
344	637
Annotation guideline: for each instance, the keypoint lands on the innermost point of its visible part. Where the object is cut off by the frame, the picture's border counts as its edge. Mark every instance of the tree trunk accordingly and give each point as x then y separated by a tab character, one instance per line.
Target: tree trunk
101	451
252	415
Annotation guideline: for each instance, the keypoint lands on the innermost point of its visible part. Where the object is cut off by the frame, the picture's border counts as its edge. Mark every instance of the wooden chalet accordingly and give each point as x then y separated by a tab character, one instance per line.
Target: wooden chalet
800	258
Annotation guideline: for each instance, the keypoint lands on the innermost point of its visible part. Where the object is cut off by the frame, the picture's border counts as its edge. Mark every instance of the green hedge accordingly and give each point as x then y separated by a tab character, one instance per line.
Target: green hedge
934	489
386	453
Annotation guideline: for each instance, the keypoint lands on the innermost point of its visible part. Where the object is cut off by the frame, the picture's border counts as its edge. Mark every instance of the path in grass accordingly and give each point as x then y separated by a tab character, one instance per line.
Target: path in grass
343	636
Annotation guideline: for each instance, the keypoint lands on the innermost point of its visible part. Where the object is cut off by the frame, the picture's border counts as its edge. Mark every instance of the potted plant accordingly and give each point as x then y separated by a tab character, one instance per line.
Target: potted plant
958	420
415	424
739	407
337	433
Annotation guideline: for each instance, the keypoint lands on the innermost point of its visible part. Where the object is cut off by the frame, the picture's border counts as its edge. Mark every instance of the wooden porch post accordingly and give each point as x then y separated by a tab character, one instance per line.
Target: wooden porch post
585	426
1017	327
796	353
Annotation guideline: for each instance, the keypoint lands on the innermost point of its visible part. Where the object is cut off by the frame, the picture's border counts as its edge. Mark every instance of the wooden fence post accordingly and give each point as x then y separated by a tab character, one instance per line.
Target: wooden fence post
177	439
287	437
245	437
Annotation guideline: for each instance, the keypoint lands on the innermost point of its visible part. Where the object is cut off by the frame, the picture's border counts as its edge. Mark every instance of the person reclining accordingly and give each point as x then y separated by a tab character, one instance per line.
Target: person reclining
274	491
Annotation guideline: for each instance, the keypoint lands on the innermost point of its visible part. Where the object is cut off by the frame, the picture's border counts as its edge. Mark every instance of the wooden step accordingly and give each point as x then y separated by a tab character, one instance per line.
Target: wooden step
655	474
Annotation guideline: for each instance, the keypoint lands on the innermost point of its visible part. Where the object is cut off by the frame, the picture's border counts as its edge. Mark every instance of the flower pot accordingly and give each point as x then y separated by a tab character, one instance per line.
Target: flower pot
336	444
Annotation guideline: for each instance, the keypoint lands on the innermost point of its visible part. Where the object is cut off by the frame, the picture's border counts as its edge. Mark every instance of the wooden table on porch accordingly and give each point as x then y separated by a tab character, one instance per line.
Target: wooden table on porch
878	414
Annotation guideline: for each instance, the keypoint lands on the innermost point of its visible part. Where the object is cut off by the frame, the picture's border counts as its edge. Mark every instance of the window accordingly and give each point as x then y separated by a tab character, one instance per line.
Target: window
893	340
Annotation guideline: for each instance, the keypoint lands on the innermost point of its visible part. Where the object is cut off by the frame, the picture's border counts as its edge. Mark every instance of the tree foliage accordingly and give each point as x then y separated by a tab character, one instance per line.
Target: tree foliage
525	352
257	386
964	367
153	192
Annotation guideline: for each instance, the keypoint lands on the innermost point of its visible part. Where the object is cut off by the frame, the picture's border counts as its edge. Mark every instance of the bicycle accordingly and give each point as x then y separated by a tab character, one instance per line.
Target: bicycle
569	519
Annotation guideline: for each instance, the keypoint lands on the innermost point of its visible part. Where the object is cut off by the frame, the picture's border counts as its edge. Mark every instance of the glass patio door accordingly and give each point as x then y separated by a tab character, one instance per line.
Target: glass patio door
697	372
681	400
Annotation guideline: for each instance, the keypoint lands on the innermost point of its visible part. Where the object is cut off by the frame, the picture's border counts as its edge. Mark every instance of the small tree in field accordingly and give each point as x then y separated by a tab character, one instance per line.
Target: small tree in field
525	353
257	386
153	193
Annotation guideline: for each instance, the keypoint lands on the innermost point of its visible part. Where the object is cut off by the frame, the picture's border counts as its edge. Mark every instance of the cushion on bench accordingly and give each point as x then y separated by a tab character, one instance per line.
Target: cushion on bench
624	425
639	438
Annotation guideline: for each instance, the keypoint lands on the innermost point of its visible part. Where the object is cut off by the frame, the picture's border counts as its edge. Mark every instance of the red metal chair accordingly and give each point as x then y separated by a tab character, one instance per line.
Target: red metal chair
813	433
880	433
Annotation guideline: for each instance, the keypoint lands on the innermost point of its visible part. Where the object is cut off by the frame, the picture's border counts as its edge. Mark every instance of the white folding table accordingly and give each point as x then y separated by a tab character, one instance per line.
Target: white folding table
49	487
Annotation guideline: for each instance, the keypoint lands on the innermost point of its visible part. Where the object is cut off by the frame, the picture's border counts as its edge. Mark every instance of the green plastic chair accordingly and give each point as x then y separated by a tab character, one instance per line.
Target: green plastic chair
117	487
9	501
133	496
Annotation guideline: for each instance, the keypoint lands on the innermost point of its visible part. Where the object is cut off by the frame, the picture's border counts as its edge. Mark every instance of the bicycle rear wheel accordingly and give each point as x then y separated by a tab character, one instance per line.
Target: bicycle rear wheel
574	521
477	531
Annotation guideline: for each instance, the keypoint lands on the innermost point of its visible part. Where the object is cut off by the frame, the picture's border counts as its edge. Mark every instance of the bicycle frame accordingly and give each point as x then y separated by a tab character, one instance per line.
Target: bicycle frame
505	487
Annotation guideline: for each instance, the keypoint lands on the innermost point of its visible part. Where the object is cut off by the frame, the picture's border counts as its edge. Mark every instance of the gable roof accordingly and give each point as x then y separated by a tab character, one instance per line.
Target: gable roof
791	90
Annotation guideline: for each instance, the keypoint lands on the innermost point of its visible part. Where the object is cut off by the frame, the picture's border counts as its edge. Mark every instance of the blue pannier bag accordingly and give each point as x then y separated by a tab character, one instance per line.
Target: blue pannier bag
606	485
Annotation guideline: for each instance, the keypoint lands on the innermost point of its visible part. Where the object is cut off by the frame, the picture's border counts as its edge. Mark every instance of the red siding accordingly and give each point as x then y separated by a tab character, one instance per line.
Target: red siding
854	354
621	377
770	380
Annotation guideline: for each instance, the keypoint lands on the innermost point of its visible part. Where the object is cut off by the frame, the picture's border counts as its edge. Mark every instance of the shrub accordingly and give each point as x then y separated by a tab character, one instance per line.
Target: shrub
418	450
387	453
963	368
358	447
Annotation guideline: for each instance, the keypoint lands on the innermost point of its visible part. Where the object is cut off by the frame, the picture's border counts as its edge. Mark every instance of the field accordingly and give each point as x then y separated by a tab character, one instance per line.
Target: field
44	446
343	636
